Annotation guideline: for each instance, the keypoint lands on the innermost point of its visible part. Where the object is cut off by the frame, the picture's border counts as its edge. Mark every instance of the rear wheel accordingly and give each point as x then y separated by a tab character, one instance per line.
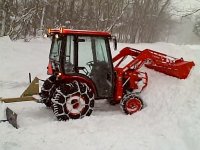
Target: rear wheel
73	101
131	104
47	90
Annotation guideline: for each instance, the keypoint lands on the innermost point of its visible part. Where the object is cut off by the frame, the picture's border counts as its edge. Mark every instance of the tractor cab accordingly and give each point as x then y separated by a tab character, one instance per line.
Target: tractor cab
85	54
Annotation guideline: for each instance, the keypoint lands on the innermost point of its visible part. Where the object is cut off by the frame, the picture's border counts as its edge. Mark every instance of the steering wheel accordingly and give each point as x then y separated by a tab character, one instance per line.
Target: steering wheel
90	64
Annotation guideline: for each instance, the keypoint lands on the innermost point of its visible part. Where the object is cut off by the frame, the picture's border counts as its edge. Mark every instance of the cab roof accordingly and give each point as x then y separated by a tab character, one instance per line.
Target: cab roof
78	32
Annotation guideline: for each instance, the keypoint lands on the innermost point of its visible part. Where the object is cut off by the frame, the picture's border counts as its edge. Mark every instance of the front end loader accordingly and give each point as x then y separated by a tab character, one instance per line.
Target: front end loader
82	70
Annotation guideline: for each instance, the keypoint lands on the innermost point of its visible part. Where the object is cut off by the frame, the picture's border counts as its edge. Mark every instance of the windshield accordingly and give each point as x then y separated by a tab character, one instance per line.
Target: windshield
55	49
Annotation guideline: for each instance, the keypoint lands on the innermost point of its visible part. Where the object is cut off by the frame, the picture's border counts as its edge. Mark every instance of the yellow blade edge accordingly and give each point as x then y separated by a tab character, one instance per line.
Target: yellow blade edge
18	99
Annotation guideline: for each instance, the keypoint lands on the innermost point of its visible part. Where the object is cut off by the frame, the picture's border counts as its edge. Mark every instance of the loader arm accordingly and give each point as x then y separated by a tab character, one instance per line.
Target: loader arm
154	60
130	73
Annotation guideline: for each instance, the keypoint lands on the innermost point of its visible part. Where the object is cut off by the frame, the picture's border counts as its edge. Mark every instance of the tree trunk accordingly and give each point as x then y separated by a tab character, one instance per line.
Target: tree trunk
42	19
3	23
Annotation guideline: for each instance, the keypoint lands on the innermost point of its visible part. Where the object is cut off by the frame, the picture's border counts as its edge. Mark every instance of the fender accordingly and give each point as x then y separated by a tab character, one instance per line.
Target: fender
79	77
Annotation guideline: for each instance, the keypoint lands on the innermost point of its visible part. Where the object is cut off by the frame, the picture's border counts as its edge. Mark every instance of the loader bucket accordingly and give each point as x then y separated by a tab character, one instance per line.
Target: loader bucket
178	68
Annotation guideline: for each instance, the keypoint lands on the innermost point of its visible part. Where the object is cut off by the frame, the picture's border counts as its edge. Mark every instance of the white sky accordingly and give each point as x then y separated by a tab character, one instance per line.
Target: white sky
186	4
183	7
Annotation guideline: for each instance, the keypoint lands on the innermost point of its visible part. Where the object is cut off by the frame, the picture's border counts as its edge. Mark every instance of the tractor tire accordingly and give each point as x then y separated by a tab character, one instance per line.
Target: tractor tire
73	100
131	104
47	90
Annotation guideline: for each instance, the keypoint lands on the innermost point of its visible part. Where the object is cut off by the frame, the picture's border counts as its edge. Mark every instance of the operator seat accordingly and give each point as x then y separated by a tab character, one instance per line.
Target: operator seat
99	74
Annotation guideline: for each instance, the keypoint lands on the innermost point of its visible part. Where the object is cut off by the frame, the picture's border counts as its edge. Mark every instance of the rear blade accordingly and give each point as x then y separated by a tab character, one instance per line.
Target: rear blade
11	117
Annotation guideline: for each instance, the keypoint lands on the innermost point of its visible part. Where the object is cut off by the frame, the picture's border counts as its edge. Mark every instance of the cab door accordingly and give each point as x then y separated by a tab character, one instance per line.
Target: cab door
96	62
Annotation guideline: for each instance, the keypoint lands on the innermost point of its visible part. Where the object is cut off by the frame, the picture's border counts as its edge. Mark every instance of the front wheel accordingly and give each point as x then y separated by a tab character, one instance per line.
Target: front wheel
131	104
73	101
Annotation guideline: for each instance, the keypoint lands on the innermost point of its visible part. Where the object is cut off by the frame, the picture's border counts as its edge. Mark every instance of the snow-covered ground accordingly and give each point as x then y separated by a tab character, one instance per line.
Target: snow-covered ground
169	121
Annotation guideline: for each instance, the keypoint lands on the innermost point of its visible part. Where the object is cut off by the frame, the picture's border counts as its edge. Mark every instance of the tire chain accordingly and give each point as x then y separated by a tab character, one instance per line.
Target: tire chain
59	94
125	98
47	91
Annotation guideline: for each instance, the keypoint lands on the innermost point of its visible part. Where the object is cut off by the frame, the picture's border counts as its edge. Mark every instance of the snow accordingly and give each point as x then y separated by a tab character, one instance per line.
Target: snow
169	121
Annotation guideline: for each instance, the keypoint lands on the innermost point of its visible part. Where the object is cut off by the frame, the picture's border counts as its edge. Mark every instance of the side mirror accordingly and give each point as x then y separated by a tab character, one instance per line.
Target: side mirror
114	38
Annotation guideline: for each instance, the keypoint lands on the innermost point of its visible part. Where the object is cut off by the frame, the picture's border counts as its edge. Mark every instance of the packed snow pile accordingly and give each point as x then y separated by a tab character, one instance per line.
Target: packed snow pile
169	121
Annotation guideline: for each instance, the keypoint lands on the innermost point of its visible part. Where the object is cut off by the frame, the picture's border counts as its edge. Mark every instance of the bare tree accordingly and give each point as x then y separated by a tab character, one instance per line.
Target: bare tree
131	20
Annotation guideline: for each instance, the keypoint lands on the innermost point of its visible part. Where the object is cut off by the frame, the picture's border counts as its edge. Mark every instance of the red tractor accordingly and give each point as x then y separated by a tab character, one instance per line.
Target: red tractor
82	70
